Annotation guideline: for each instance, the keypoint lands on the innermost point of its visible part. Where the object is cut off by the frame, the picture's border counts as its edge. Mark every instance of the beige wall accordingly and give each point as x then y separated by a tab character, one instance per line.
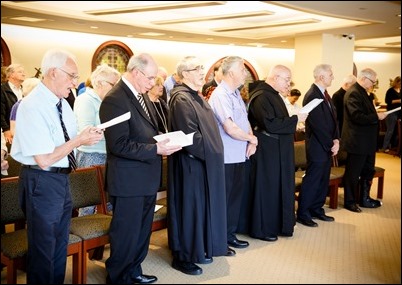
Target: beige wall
27	46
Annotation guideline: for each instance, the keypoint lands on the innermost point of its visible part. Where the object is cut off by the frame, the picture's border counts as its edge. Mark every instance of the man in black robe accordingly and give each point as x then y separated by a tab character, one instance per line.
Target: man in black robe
273	168
196	196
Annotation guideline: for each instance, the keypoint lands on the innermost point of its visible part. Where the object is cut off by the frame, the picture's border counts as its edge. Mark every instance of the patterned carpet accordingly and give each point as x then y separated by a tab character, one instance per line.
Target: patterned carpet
358	248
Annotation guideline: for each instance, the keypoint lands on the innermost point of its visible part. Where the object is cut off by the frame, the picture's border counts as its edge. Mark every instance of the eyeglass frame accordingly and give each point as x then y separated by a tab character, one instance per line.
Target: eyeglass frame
371	80
150	78
72	76
198	68
110	83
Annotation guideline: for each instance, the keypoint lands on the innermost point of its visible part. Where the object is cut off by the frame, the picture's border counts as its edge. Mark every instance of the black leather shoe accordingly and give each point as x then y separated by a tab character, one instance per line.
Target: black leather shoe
144	279
325	218
308	223
353	208
269	238
207	260
238	243
286	234
186	267
230	252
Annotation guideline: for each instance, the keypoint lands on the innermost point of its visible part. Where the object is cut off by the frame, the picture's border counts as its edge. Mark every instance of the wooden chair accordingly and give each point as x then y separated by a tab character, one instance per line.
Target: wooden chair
160	216
301	163
339	170
92	229
14	244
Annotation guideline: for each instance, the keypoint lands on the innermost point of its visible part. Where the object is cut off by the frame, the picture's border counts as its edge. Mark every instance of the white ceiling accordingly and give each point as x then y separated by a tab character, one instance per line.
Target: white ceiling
373	25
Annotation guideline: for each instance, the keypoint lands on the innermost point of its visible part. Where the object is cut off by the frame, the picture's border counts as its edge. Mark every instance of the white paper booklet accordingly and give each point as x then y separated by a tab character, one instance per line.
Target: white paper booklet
393	110
115	121
311	105
176	138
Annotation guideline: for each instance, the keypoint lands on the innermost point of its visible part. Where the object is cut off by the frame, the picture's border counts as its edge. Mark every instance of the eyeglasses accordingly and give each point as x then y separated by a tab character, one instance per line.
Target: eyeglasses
198	68
110	83
150	78
371	80
72	76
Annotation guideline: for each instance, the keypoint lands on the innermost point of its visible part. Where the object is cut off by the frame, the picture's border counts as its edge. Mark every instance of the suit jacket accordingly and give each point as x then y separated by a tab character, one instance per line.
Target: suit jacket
360	122
337	100
8	99
132	166
321	127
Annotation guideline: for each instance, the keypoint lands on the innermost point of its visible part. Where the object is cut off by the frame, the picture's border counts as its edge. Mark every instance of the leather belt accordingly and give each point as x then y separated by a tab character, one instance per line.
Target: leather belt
274	136
63	170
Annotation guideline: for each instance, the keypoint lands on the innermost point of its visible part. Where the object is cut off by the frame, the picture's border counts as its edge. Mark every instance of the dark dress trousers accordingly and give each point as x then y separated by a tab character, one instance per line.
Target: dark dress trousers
321	131
132	180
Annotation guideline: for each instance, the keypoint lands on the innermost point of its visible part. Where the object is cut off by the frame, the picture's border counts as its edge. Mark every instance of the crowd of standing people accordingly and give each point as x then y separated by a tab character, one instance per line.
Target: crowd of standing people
239	149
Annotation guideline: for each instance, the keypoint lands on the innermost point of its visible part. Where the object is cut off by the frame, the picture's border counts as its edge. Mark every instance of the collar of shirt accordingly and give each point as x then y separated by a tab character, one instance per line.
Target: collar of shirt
129	85
17	90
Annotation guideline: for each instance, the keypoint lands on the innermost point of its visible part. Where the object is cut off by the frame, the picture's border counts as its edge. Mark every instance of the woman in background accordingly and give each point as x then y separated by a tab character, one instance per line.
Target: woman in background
86	110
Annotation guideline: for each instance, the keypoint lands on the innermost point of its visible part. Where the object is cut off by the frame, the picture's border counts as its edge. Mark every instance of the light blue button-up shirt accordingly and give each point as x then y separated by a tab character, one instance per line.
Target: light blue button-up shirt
227	103
38	129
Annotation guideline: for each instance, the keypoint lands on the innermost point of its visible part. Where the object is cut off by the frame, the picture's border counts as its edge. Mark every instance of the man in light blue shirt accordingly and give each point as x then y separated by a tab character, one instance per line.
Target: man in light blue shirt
42	147
237	136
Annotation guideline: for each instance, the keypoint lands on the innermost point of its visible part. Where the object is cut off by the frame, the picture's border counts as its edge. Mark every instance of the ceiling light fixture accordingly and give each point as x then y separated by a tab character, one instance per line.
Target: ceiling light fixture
215	18
279	24
160	7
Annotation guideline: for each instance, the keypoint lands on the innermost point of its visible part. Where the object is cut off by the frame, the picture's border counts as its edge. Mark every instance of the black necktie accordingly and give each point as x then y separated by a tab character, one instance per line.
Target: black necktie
142	103
71	156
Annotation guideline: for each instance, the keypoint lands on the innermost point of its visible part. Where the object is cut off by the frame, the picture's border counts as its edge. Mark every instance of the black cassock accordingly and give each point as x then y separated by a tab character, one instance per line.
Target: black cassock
196	192
272	167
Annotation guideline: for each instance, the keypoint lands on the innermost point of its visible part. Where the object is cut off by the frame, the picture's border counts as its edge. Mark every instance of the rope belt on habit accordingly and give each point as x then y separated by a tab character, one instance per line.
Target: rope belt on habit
274	136
63	170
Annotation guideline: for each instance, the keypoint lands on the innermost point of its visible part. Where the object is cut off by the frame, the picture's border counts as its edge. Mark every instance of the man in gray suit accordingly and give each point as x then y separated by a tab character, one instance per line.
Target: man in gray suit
132	170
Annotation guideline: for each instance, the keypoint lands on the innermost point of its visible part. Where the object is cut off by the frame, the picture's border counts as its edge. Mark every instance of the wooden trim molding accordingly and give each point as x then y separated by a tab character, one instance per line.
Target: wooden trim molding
116	54
5	54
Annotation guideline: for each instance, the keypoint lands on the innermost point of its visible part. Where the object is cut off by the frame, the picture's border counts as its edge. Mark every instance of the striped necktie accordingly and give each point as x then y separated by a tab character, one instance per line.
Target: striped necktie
71	156
142	103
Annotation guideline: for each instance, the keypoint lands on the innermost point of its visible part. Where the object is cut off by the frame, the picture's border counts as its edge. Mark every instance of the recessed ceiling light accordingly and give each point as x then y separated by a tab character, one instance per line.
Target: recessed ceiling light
28	19
152	34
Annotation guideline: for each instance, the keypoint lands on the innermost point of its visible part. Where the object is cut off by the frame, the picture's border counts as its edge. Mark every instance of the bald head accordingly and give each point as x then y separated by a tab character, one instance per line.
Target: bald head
279	78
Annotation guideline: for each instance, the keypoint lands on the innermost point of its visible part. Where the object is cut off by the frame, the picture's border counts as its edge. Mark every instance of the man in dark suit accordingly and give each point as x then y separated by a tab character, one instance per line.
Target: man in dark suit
132	170
359	140
337	98
322	142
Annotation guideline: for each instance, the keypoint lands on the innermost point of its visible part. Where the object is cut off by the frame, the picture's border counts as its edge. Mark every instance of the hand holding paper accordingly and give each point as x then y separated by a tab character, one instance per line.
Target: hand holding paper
176	138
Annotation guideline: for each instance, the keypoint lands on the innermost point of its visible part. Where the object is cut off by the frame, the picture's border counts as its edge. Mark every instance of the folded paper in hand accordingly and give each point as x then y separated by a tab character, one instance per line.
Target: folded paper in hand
393	110
176	138
311	105
115	121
